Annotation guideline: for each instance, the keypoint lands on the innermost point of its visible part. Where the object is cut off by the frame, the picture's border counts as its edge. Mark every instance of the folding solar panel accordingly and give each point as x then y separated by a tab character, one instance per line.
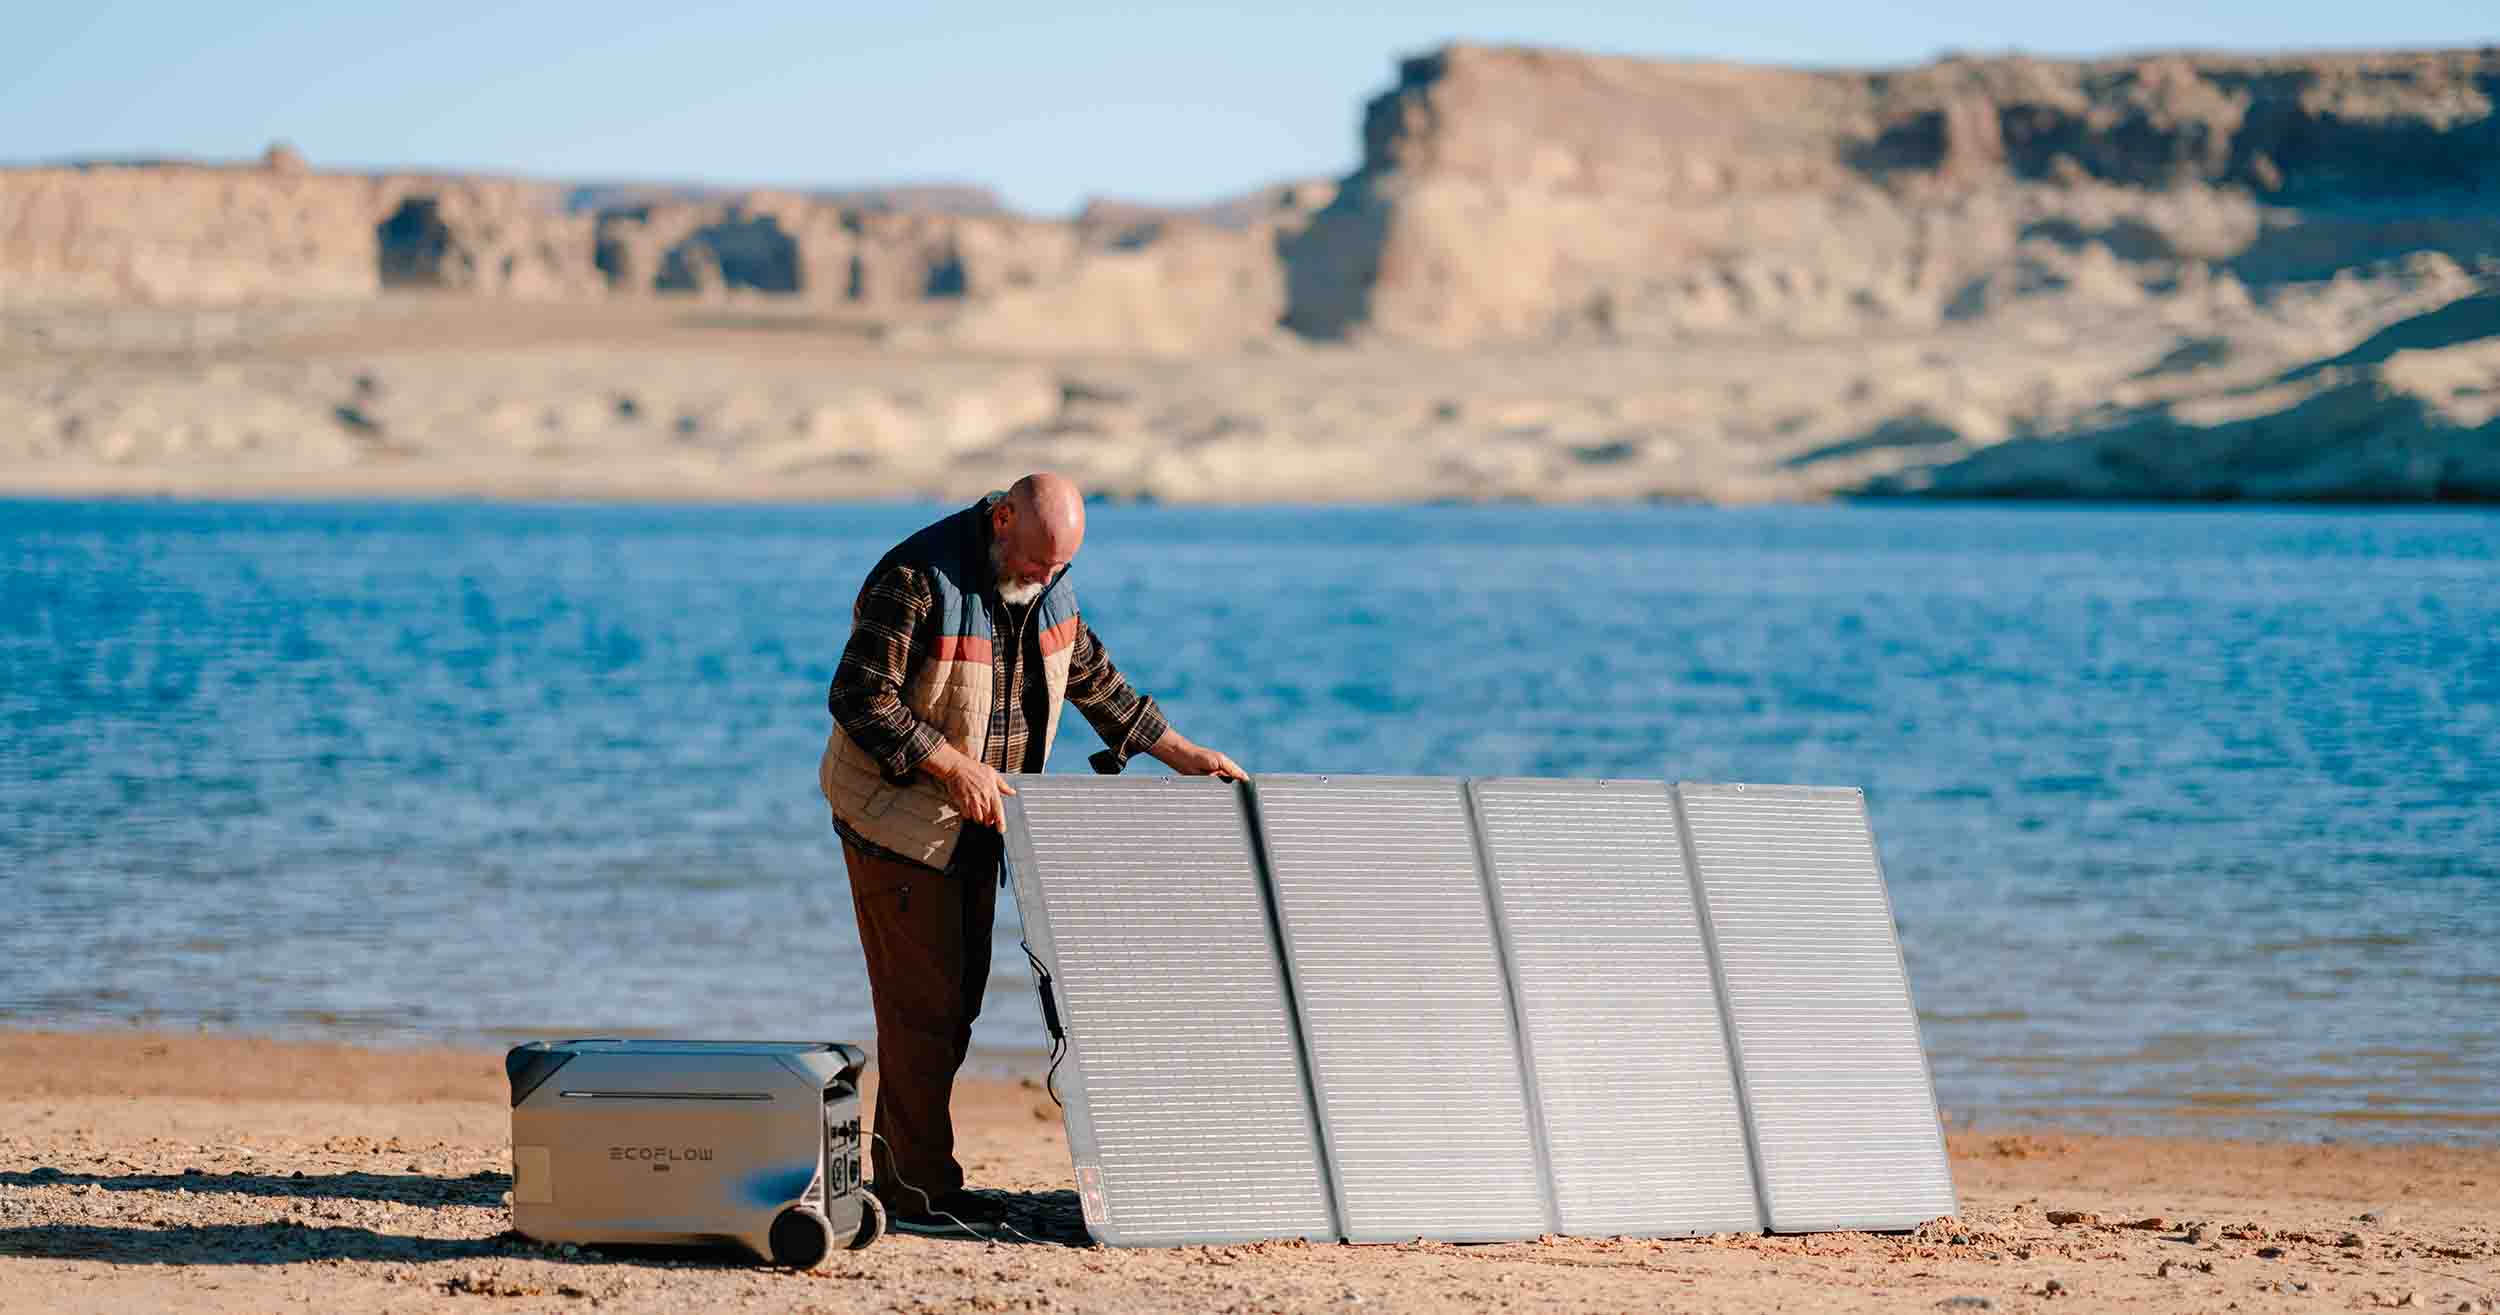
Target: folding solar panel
1835	1083
1188	1110
1617	1007
1405	1012
1387	1008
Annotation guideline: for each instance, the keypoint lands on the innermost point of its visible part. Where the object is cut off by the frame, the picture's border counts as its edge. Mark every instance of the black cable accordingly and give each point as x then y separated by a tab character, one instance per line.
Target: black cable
955	1219
1050	1020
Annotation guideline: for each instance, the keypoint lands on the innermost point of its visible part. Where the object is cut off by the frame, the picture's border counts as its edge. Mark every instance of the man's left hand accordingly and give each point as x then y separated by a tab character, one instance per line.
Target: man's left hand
1176	752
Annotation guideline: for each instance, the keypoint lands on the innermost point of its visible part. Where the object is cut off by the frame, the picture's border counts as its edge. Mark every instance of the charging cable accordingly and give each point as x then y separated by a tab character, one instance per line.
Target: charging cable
955	1219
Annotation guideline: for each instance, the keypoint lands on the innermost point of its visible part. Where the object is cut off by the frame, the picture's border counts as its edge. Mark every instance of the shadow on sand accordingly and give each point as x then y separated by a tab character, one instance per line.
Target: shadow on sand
1034	1218
485	1188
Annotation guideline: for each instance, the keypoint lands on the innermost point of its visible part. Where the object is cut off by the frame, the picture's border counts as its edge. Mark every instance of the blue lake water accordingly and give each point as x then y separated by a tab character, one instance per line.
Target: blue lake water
2191	817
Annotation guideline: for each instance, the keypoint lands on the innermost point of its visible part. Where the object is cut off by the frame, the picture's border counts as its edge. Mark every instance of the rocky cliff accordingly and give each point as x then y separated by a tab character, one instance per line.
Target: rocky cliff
1504	194
1119	277
205	235
1514	193
2411	413
1552	275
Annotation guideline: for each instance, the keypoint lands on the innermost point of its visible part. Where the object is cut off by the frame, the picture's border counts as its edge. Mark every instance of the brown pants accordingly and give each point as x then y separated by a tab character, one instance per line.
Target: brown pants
927	937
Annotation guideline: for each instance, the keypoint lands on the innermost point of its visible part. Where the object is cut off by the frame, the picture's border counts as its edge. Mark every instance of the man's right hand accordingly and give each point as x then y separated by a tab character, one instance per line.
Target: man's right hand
977	789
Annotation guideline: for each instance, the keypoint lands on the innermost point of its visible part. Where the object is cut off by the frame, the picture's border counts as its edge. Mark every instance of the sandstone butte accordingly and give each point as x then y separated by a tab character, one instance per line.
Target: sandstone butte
2168	276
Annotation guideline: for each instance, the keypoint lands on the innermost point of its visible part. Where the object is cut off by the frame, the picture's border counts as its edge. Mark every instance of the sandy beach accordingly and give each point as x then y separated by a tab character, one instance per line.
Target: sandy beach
143	1172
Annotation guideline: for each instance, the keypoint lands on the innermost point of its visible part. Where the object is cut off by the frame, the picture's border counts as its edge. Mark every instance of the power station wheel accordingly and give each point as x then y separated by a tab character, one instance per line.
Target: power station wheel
871	1221
801	1238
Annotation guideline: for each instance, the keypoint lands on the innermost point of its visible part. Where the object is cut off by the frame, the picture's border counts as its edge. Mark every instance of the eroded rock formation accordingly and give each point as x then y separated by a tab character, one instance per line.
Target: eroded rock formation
1565	276
1530	194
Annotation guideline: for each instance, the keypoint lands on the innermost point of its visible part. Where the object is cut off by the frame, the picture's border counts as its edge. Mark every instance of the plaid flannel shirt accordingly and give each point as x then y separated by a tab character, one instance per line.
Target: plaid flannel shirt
894	619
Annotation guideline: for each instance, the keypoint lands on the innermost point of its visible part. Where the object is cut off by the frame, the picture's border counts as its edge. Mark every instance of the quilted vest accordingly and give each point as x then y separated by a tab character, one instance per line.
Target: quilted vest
952	686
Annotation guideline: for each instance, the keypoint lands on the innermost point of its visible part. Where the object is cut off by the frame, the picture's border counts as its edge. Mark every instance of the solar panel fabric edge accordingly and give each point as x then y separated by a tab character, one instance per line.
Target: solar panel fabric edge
1404	1001
1859	1146
1621	1023
1225	1145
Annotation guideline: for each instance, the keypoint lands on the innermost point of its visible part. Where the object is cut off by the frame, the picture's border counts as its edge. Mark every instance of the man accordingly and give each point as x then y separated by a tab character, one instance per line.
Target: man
964	643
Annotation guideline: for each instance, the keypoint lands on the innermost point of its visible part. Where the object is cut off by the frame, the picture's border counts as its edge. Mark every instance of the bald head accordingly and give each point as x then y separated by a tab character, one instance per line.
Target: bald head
1055	504
1035	532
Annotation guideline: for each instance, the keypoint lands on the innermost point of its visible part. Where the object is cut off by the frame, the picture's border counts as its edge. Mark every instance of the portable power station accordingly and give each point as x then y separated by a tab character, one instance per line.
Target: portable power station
750	1143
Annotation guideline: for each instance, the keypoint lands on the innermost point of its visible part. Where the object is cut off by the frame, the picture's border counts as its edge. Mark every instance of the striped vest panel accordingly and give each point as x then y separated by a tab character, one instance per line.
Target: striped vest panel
953	687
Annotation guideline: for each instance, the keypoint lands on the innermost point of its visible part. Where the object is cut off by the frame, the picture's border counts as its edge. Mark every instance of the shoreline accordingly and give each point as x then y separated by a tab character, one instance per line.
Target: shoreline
2226	1121
155	1171
656	498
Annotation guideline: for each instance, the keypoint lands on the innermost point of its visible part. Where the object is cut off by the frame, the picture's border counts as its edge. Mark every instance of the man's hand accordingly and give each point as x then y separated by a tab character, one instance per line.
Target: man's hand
1175	751
978	791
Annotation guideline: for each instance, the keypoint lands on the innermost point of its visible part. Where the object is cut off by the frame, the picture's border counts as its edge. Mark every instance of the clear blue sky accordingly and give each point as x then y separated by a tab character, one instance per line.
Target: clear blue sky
1171	103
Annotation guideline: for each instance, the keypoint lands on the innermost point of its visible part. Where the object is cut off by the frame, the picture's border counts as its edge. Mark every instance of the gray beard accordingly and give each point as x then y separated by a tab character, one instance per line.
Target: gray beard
1015	595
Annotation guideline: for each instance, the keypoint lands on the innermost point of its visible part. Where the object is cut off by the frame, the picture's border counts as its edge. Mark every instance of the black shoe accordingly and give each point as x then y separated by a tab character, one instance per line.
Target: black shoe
954	1214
